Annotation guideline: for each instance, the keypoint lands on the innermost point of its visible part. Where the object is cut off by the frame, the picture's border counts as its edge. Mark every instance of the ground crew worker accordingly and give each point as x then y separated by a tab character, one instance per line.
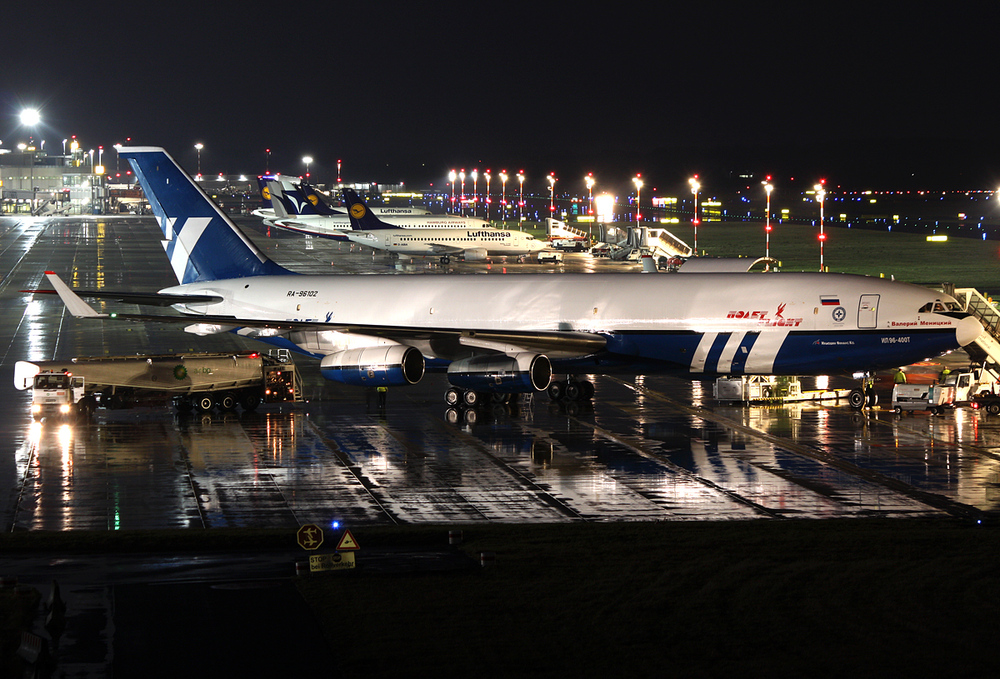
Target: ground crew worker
944	375
383	391
899	377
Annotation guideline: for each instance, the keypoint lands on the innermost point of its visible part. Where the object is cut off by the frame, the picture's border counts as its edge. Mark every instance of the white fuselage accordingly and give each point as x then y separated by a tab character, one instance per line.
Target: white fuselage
712	323
333	225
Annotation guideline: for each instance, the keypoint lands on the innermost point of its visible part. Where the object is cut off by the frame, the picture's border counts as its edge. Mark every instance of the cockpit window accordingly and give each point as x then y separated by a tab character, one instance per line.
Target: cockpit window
939	307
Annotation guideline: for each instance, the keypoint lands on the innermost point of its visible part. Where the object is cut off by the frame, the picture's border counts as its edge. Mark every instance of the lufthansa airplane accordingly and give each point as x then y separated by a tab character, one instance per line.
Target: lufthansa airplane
474	244
303	200
502	334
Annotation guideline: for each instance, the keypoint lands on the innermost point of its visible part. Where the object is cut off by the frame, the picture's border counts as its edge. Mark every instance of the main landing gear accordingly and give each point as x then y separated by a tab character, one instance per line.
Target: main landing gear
863	396
571	390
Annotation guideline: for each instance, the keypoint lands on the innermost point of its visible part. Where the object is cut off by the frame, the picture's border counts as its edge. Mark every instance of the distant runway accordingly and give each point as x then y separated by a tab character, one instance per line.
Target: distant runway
647	448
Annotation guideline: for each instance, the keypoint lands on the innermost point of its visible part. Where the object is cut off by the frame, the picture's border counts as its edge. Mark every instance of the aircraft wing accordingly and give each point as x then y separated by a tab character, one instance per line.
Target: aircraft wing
144	298
569	343
442	249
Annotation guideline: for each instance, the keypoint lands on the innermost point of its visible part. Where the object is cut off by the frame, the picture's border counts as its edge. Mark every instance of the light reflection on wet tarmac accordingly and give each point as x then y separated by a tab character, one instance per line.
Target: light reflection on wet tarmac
647	448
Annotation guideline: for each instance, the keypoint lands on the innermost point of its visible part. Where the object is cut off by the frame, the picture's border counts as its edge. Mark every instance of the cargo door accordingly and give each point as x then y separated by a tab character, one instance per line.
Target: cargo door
868	311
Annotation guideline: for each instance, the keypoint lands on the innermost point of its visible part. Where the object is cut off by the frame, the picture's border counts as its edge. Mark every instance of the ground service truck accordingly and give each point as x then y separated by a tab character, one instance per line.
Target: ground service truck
200	381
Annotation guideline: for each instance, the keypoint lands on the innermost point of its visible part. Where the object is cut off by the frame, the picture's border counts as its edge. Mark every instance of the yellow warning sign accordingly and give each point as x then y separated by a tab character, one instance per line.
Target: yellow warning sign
347	543
331	562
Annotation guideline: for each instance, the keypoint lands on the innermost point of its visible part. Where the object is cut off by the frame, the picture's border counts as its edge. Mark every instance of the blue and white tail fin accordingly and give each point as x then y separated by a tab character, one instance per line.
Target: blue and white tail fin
362	219
202	243
265	193
316	200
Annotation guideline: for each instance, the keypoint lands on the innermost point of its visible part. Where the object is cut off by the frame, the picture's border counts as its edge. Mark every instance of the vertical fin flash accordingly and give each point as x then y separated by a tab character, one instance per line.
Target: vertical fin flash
203	244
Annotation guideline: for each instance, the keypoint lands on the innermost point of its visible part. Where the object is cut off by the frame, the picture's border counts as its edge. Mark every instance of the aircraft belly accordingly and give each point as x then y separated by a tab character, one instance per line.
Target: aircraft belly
817	353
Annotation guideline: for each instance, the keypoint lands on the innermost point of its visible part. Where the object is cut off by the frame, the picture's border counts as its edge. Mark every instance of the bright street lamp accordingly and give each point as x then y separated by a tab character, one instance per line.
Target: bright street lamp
820	196
452	176
520	202
695	187
488	177
30	117
589	181
503	195
638	193
199	146
767	218
475	191
461	200
308	161
552	194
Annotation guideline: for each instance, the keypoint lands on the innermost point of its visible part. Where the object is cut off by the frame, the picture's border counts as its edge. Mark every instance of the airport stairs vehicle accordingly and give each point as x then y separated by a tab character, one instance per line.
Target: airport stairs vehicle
558	229
986	348
658	243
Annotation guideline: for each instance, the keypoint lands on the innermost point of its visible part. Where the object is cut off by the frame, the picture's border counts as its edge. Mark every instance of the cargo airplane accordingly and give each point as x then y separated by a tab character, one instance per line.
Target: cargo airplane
503	334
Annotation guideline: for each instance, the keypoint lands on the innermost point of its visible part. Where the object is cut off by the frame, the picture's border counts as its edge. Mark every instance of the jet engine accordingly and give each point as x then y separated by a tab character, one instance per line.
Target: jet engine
502	373
475	254
386	365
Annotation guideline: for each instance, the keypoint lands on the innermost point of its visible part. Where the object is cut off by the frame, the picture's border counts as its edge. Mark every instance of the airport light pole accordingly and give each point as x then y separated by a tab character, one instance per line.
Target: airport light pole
488	177
452	176
520	202
695	187
820	196
503	195
475	191
461	198
308	161
198	147
30	119
767	217
589	181
637	180
552	194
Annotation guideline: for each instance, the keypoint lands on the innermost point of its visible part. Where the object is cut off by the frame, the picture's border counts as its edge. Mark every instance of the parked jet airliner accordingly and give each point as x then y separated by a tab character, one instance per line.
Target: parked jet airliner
307	201
510	333
290	205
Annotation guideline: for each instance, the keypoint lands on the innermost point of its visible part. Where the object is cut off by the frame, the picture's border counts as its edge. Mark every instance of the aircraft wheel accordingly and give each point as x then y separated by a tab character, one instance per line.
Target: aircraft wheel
471	417
204	403
586	390
897	410
872	399
470	398
451	416
453	396
856	399
572	392
993	409
445	260
556	390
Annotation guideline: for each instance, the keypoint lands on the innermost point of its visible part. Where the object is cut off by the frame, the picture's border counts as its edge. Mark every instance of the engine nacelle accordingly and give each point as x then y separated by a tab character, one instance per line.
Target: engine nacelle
501	373
386	365
475	254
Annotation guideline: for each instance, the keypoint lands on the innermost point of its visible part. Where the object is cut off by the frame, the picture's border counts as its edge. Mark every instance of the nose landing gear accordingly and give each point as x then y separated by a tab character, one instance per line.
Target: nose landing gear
863	396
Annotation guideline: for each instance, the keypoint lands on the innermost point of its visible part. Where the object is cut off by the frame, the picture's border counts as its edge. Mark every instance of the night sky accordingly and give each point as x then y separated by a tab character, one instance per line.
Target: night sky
407	91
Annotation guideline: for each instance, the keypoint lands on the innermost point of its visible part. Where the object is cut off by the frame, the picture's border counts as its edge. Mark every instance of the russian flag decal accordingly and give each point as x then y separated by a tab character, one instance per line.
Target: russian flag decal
829	300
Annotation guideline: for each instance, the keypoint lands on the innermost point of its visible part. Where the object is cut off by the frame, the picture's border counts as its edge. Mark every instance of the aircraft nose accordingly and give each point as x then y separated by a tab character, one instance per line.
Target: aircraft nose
968	331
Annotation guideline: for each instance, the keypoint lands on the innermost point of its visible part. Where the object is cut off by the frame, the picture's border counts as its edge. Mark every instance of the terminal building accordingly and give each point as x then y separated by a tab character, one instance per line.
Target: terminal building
35	182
